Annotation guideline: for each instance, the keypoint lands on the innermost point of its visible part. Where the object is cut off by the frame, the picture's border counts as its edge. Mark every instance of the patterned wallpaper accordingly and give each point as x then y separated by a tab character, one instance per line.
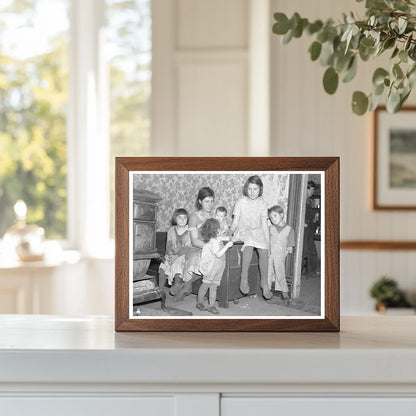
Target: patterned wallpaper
180	190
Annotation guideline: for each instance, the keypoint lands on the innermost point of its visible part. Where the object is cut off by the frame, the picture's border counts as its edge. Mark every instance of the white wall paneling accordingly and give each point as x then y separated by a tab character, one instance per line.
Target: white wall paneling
212	24
259	78
202	109
212	102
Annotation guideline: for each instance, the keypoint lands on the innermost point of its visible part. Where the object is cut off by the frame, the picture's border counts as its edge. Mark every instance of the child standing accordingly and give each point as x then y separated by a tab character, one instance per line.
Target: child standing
282	241
221	216
178	242
250	226
212	264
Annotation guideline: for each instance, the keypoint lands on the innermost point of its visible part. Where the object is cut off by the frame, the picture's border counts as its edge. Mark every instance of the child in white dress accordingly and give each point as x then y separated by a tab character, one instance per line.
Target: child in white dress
212	264
250	226
282	241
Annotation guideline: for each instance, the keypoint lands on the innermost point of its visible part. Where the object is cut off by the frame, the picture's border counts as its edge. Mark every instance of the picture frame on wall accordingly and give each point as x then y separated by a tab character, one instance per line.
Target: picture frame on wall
394	151
227	244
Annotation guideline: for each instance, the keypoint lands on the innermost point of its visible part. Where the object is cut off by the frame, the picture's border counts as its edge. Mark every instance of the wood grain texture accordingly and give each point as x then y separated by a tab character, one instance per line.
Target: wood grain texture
329	165
378	245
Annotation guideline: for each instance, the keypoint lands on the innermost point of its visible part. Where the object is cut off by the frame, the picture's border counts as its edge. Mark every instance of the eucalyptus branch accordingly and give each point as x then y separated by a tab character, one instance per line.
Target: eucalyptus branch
388	26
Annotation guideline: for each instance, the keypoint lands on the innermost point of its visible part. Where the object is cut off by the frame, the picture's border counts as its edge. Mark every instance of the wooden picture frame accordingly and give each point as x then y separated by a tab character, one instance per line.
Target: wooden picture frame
135	235
394	158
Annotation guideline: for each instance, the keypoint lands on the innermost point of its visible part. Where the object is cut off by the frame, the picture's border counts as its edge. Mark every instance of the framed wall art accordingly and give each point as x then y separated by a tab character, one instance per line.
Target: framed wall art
394	179
227	244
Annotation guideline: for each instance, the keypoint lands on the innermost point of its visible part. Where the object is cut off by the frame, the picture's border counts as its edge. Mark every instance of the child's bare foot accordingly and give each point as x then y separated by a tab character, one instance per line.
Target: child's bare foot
213	310
201	306
267	294
244	287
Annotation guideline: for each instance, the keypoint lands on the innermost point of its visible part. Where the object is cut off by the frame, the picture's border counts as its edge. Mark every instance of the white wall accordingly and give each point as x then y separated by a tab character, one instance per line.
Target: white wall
200	77
308	122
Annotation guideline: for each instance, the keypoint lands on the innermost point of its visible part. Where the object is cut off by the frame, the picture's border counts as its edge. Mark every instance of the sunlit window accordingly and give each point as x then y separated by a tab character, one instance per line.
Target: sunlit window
129	57
44	159
33	102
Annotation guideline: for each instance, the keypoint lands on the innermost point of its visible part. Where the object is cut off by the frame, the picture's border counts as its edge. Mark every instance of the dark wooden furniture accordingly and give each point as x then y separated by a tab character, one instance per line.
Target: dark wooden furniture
229	289
145	287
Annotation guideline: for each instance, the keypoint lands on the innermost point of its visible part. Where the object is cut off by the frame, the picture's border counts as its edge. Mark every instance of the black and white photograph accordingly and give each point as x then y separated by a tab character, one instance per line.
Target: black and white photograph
226	244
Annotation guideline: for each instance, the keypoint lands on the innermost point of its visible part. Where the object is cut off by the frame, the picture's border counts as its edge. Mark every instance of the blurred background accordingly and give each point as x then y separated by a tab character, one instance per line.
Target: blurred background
84	81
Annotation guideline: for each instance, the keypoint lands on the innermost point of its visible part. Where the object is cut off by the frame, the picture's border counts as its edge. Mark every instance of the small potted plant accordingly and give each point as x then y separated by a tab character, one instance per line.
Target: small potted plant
387	294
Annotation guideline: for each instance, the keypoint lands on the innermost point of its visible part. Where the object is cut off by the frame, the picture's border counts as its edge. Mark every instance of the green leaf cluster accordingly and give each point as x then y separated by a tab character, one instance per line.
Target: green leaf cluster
386	291
33	145
388	27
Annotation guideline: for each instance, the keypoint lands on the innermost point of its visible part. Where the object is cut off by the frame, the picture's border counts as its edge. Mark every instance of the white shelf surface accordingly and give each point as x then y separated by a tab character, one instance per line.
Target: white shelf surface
53	349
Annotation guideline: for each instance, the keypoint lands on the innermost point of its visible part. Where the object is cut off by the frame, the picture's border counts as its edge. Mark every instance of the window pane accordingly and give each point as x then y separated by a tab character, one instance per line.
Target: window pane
34	36
129	46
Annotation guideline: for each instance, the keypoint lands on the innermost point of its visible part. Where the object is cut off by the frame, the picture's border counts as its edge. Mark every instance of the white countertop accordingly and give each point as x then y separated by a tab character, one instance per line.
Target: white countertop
52	349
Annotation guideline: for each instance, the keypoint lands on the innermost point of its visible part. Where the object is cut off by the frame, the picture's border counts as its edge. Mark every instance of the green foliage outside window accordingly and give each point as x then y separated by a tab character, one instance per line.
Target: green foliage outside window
34	104
33	99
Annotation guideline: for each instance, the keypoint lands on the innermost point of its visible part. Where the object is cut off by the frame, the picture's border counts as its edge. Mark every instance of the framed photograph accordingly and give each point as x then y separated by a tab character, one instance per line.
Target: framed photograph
227	244
394	180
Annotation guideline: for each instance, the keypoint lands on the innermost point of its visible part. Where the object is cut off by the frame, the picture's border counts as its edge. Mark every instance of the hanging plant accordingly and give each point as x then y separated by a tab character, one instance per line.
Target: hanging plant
389	27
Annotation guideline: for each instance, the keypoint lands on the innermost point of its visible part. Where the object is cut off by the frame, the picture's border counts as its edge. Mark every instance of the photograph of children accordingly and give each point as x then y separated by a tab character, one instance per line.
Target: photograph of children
226	245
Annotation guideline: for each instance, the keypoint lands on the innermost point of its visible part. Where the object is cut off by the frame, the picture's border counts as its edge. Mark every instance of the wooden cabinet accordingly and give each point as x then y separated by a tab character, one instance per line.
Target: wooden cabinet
144	225
145	287
229	289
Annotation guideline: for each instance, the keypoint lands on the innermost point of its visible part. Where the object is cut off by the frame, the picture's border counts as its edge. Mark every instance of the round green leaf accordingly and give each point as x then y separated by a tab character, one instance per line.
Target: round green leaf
314	27
315	50
288	37
367	42
378	90
403	56
393	101
366	53
379	75
395	52
397	71
300	25
342	61
374	102
330	80
327	54
389	43
351	71
359	103
281	26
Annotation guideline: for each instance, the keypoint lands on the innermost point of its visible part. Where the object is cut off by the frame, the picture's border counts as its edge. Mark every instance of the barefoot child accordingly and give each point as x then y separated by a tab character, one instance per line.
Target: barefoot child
178	241
250	226
282	241
212	264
